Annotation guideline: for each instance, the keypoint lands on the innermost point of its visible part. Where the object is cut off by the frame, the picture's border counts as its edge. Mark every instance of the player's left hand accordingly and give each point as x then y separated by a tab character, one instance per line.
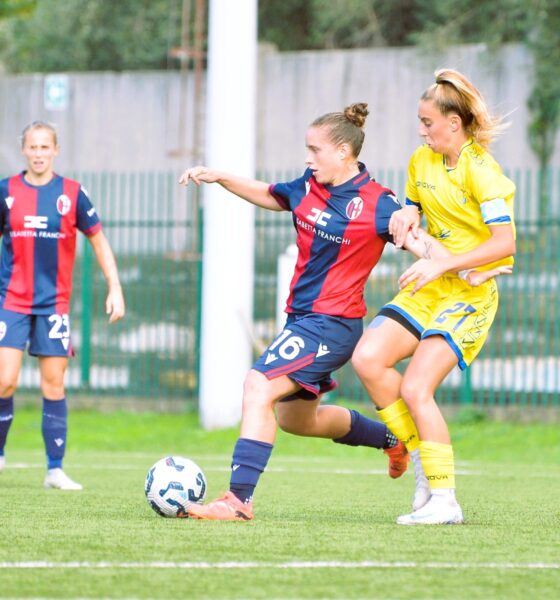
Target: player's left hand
114	305
422	272
402	221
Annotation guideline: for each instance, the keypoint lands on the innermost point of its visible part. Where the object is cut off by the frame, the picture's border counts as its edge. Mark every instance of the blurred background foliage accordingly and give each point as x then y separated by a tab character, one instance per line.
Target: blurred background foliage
98	35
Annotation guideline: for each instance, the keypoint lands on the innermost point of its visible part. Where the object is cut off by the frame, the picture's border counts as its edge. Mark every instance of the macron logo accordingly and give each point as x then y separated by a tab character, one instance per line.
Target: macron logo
59	442
323	349
9	201
91	212
270	357
35	222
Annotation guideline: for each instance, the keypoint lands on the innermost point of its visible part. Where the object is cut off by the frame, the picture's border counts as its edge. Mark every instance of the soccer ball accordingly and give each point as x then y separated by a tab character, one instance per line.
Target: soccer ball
172	484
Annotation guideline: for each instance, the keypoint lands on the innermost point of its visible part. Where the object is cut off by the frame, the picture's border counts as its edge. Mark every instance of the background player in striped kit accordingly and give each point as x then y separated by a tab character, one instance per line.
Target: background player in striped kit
437	318
341	217
40	215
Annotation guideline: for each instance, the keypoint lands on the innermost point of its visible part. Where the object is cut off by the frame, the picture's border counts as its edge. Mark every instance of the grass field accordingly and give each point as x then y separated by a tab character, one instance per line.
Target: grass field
324	525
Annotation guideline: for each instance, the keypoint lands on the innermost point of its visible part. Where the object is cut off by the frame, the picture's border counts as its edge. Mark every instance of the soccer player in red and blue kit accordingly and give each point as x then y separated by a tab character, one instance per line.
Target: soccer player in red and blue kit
341	218
40	215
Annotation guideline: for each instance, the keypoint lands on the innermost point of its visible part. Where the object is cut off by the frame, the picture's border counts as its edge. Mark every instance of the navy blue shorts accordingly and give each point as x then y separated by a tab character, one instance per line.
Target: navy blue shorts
309	348
47	335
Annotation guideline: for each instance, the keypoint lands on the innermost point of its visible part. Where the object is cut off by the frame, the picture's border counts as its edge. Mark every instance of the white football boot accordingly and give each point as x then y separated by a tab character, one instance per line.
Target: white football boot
422	490
2	463
57	479
441	509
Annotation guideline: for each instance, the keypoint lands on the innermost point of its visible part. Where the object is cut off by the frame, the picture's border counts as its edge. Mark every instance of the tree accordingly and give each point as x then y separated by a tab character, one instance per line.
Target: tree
536	24
544	102
83	35
321	24
86	35
14	8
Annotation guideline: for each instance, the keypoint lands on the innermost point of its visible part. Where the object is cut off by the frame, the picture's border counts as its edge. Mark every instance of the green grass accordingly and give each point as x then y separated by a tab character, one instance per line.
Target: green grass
318	502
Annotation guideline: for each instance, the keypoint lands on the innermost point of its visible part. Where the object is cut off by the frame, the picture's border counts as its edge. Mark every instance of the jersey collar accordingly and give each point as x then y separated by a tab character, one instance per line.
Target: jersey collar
54	178
469	142
355	182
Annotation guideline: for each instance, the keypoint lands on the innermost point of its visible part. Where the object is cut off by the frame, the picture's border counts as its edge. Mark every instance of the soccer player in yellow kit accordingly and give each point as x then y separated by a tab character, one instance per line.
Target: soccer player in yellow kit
437	318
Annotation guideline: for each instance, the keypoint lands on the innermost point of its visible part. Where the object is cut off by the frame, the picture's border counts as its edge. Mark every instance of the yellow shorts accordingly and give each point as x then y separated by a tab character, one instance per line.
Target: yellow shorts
449	307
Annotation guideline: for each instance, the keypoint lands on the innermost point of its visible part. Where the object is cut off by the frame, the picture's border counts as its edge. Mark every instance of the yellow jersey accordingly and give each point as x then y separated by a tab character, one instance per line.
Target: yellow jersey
461	202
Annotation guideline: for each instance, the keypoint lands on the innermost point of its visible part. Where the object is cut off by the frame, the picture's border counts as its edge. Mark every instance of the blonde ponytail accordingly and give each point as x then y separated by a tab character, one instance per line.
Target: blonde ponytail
452	92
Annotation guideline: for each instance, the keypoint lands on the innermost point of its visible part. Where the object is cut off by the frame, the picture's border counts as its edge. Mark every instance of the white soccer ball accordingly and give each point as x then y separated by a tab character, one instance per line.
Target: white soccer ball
172	484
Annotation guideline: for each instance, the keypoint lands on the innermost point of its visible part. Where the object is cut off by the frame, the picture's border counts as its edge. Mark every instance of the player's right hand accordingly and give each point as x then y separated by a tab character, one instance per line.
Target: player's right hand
198	174
402	221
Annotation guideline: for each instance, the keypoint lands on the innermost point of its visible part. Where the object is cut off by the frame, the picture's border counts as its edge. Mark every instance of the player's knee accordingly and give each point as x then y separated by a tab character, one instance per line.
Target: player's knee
254	385
256	392
52	388
287	423
366	361
8	385
414	393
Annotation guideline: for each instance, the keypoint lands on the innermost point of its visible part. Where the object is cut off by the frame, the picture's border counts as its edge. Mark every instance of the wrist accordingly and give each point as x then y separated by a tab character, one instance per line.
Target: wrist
464	274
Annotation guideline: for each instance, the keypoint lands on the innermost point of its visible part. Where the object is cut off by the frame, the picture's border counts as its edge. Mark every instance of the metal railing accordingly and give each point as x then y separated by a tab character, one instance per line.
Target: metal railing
154	227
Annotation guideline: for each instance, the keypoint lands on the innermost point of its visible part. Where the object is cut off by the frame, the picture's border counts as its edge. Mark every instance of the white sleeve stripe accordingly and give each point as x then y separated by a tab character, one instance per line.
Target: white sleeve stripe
495	210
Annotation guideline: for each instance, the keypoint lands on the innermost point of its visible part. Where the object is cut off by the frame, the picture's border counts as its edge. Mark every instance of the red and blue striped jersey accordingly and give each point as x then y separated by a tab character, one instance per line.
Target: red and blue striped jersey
39	225
341	233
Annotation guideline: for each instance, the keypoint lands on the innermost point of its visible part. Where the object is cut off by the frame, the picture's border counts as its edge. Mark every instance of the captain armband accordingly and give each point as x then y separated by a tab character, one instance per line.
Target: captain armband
495	211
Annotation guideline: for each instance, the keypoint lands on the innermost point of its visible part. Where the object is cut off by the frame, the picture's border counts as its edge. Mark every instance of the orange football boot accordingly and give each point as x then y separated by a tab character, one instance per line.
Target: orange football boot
226	508
398	459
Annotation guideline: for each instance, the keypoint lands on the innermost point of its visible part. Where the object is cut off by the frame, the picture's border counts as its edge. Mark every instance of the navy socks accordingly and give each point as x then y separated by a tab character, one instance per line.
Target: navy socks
54	428
6	418
249	460
367	432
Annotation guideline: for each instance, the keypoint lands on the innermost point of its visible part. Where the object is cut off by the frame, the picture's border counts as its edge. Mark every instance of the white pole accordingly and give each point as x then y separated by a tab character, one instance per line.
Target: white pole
227	282
286	265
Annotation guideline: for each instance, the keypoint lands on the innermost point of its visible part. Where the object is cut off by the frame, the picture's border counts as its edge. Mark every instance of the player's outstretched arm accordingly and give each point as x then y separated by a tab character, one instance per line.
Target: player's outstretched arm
254	191
114	304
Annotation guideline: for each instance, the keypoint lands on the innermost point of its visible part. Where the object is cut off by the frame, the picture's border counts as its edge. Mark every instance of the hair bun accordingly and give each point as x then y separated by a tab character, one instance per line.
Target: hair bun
357	113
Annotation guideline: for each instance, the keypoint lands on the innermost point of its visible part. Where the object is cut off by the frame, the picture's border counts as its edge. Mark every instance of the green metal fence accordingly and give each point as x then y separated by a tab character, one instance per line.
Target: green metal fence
520	363
151	358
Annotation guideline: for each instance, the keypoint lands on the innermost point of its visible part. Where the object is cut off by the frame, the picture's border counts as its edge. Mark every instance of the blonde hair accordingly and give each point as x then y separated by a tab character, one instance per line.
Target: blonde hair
346	127
39	125
452	92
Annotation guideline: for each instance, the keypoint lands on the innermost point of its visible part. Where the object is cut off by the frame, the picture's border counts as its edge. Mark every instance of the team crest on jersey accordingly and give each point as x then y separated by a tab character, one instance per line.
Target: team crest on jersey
3	329
63	204
354	208
9	201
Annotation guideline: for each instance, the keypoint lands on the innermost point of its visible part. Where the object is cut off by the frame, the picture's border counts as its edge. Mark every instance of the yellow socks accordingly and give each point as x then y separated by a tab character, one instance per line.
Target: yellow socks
437	459
398	420
439	465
